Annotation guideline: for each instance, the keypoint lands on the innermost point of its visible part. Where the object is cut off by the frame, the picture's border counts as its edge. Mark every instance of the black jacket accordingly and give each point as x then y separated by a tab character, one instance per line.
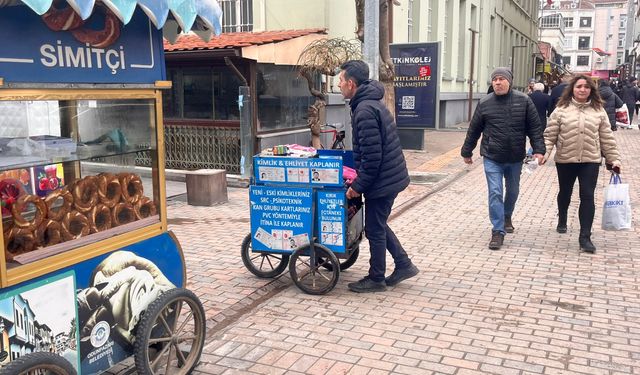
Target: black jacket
555	95
542	102
611	102
504	122
630	94
382	170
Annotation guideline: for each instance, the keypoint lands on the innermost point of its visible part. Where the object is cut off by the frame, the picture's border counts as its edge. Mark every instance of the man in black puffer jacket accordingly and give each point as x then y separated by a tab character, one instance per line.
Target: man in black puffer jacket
504	119
382	174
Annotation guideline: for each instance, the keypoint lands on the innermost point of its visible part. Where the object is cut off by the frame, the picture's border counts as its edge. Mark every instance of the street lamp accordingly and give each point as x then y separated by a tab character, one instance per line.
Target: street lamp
513	57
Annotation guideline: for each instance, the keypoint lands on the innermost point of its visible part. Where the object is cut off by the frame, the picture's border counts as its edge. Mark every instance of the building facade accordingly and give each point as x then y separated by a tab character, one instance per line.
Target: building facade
505	30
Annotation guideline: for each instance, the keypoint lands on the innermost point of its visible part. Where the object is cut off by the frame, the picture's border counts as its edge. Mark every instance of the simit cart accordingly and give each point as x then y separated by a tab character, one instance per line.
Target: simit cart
300	217
89	273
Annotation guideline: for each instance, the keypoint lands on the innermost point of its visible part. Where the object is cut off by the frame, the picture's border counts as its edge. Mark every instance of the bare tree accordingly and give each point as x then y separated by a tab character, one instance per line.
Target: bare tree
324	57
386	70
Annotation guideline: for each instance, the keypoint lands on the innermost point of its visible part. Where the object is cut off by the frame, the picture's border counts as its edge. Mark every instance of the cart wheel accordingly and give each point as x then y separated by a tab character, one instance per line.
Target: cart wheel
346	263
39	363
170	334
262	264
316	279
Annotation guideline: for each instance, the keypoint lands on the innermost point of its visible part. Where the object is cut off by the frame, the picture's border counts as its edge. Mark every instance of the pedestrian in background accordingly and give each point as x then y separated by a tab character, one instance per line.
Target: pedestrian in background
610	101
382	174
557	91
580	130
530	86
542	102
630	94
504	119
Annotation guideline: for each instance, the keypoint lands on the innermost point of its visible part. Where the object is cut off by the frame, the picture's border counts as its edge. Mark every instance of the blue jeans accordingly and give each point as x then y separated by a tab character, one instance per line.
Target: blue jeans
502	204
381	237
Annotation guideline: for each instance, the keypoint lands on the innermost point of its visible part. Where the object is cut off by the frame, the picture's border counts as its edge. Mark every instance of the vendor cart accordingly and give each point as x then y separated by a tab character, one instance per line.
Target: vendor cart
301	218
89	273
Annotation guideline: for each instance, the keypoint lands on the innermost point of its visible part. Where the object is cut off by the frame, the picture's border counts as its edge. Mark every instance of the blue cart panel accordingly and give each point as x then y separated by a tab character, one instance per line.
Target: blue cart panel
290	171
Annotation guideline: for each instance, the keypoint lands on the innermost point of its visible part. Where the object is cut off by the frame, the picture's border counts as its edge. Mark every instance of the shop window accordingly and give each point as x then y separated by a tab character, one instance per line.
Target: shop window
283	97
583	61
202	93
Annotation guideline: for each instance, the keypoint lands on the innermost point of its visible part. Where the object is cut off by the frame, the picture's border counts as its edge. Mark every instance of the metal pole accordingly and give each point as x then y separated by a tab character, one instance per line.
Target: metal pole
247	134
471	68
371	48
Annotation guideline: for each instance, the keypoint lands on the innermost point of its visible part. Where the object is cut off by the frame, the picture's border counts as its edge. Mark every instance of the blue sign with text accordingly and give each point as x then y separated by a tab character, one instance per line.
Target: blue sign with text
323	171
331	219
280	218
416	84
57	49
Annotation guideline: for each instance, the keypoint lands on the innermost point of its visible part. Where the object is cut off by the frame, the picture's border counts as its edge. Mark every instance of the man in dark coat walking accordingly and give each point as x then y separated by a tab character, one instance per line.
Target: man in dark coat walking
557	92
382	174
630	95
504	119
542	102
611	102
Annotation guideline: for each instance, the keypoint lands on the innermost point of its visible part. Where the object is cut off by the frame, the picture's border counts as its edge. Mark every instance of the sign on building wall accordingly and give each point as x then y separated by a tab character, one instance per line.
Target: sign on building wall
416	84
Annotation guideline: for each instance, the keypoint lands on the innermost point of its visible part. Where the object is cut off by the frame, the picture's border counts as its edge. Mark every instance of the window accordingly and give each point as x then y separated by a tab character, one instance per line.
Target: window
283	97
619	58
584	42
568	42
568	22
410	21
583	61
585	21
237	15
202	93
621	40
551	21
623	21
566	60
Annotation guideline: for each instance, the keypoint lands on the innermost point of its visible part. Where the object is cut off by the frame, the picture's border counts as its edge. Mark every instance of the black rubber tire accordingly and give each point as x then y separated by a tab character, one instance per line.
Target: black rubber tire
53	363
345	263
153	335
276	262
318	279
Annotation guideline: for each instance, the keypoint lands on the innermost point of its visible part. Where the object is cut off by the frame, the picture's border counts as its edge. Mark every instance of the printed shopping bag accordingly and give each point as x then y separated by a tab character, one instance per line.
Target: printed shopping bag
622	116
616	213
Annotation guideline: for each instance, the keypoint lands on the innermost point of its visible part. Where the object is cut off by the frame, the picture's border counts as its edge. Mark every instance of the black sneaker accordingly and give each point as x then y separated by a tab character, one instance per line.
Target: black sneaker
366	285
508	225
497	239
399	275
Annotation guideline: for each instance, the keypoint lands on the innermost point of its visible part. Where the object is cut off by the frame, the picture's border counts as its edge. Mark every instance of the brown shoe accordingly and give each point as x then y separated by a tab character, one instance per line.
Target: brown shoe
497	239
508	225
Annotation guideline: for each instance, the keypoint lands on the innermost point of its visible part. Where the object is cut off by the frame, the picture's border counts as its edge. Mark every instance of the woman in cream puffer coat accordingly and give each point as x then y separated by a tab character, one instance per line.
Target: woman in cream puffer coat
579	129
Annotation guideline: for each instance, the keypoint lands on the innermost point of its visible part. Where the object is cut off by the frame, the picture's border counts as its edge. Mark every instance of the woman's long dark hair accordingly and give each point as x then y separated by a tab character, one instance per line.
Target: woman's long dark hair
594	96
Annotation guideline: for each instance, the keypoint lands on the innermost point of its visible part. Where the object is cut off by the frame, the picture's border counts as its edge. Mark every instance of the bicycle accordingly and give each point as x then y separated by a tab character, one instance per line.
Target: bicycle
338	132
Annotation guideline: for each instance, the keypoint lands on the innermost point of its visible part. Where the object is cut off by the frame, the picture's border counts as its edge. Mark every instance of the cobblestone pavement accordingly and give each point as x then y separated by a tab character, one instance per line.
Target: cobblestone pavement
538	306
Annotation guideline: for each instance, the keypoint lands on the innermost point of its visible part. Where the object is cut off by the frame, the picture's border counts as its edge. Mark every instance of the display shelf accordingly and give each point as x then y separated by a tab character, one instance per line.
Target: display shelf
17	162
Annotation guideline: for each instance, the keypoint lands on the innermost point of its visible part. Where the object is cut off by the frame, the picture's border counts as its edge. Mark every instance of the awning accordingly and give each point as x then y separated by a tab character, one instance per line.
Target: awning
600	52
203	17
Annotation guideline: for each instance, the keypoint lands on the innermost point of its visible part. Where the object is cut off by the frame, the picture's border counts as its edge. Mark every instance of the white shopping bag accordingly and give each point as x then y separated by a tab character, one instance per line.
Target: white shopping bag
616	213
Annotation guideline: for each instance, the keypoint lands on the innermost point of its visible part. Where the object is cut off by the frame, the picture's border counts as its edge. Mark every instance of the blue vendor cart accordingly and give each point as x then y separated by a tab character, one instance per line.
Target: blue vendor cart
300	217
90	275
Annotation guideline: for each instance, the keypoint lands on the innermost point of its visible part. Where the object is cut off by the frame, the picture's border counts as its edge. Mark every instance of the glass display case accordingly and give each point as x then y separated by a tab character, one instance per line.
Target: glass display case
68	175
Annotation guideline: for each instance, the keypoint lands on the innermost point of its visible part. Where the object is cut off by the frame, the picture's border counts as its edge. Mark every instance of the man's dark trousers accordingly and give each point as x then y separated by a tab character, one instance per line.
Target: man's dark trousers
381	237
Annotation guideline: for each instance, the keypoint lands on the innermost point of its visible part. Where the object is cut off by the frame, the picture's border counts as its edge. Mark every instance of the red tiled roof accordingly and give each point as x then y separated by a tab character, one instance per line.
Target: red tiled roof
233	40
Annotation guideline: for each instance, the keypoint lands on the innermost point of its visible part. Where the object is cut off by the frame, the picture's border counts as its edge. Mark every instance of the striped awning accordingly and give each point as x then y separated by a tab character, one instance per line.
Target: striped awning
203	17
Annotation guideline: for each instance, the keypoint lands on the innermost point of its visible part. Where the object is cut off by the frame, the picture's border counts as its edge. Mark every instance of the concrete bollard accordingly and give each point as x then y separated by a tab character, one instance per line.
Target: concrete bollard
206	187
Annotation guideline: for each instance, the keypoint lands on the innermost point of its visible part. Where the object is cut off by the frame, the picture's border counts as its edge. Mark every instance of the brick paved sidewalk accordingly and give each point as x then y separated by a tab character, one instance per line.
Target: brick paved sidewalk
538	306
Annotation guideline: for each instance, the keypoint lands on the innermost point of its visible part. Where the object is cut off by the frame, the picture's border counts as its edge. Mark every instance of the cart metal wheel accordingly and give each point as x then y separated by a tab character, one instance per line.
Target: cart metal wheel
346	263
262	264
170	335
317	277
39	363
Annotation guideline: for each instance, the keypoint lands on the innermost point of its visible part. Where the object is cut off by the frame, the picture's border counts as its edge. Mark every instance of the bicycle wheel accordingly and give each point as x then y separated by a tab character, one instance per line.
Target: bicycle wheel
314	277
262	264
